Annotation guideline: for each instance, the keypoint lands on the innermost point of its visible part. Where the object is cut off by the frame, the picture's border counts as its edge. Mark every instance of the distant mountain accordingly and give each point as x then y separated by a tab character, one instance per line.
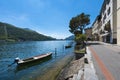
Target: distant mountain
70	37
8	31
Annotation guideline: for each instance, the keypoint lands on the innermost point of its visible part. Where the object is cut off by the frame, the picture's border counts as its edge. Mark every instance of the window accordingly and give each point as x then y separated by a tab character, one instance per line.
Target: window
107	1
104	8
108	11
104	18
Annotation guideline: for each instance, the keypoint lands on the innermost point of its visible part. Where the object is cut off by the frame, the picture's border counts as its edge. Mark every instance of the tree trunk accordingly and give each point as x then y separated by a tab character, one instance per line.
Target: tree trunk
82	31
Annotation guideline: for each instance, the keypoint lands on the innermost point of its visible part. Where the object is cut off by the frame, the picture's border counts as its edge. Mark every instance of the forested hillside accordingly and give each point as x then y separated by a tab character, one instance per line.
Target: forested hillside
8	31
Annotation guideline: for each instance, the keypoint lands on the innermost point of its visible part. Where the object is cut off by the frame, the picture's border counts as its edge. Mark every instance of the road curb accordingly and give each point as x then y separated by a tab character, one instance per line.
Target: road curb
89	70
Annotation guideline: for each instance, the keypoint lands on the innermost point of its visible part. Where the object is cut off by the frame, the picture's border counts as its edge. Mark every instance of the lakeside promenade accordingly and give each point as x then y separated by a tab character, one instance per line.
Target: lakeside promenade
106	59
103	63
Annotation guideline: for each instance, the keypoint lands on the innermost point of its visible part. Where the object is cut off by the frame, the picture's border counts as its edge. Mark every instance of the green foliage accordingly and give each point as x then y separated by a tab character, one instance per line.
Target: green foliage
81	51
80	37
19	34
78	23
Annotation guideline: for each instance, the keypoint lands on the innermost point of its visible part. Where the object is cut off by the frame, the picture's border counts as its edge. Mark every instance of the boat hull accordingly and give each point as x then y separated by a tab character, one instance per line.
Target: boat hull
68	47
33	60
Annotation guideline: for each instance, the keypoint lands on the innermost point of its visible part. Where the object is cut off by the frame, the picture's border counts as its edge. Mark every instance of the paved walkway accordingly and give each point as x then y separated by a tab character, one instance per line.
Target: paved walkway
89	70
106	59
103	63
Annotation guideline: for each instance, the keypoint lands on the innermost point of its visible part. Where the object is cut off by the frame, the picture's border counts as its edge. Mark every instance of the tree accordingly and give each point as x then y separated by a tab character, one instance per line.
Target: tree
80	37
78	23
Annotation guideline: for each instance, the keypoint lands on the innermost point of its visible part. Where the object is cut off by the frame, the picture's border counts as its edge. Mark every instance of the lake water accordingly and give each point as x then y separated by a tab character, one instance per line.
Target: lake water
9	51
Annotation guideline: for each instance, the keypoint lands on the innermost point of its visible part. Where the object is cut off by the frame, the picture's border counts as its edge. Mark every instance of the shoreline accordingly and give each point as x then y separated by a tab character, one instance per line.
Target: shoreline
55	70
71	69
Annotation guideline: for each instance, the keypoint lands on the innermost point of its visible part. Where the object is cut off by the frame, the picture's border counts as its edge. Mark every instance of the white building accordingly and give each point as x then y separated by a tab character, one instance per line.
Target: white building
118	22
109	26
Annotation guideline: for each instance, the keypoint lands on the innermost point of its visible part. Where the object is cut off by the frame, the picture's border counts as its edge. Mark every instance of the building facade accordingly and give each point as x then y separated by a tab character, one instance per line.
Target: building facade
118	22
106	26
96	28
88	33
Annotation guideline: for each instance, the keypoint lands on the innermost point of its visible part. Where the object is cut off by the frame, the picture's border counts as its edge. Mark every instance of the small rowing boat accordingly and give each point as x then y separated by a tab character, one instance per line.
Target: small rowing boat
32	59
68	46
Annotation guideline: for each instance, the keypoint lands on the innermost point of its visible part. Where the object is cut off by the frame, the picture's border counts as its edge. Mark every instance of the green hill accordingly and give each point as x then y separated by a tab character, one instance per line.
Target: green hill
11	32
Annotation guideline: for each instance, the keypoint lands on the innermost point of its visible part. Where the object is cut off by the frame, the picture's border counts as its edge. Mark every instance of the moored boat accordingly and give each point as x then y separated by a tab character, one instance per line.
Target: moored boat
32	59
68	46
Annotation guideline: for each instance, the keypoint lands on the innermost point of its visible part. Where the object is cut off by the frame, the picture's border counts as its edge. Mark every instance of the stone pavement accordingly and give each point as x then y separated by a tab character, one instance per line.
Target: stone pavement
89	70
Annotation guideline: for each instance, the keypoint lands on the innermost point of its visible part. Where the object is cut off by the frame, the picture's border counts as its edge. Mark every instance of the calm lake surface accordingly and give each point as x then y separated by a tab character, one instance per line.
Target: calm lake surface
8	52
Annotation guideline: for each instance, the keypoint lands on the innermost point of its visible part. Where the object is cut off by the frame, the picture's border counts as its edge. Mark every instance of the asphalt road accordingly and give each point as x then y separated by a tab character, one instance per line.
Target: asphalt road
106	59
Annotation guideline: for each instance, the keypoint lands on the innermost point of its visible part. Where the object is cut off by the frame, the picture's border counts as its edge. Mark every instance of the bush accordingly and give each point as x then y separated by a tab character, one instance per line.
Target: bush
80	38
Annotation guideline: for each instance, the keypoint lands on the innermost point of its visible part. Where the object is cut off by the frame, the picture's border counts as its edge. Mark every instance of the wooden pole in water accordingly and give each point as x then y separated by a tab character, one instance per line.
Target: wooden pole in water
63	48
55	51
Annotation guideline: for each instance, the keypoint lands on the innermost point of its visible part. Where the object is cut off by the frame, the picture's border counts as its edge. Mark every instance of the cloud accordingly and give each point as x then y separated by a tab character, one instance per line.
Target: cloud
60	35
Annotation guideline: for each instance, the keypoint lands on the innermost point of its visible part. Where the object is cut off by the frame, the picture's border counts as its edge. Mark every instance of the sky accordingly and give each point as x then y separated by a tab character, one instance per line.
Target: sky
48	17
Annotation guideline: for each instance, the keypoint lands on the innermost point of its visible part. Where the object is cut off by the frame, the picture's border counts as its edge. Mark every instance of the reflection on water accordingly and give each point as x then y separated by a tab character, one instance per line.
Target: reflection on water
8	52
